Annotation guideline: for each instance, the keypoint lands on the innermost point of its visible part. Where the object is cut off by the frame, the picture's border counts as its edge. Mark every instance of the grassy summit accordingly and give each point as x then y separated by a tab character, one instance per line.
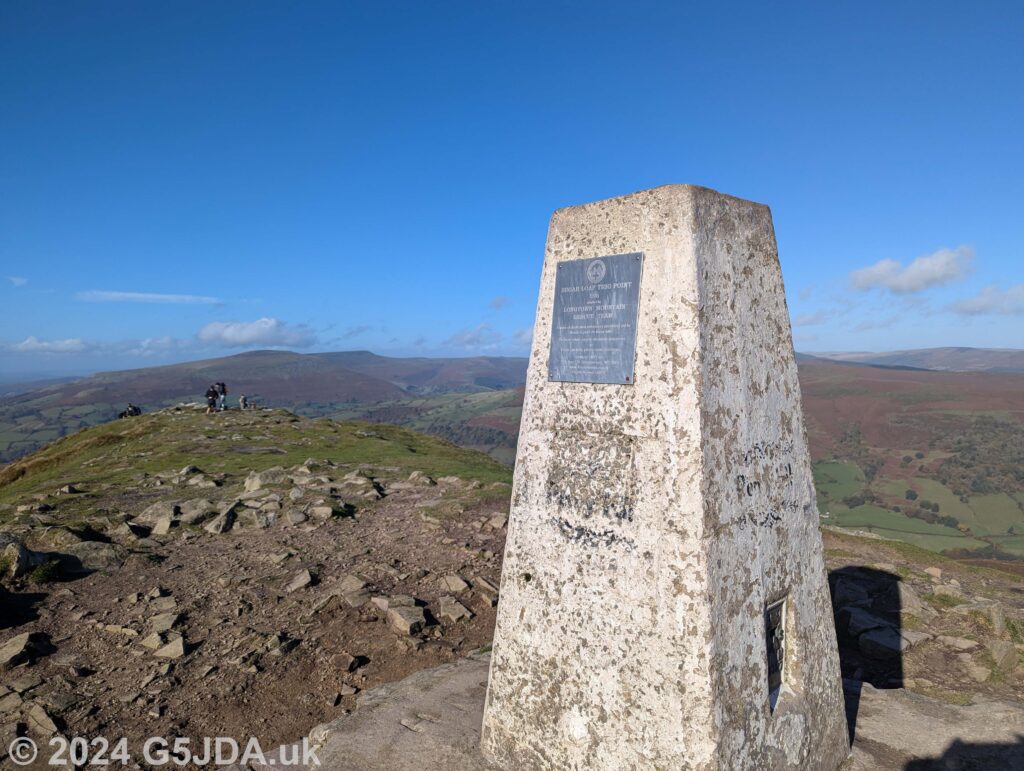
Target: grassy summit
226	446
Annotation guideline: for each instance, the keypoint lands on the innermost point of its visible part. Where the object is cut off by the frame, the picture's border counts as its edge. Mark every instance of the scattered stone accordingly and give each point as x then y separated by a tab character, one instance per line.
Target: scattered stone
90	556
454	583
356	599
9	702
154	641
882	643
164	604
21	649
197	512
163	526
159	510
175	649
486	589
406	620
848	591
419	478
39	720
453	610
259	480
221	523
948	590
934	572
301	580
164	622
957	643
1004	654
497	522
344	662
353	583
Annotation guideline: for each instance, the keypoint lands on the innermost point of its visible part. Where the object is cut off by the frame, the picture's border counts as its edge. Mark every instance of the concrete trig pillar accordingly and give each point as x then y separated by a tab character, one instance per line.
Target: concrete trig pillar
664	602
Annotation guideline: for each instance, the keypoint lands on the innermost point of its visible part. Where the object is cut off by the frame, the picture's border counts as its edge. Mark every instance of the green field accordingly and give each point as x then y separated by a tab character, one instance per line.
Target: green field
836	480
996	513
893	525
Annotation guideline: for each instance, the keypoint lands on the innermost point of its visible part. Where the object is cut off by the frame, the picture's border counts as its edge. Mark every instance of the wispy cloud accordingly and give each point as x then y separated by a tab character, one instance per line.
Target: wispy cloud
811	319
876	323
265	331
356	331
498	302
33	344
480	337
523	337
106	296
941	267
993	300
17	280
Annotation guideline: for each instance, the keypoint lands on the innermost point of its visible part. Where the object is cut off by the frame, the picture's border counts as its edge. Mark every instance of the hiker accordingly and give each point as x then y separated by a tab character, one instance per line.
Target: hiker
130	412
211	399
242	402
222	396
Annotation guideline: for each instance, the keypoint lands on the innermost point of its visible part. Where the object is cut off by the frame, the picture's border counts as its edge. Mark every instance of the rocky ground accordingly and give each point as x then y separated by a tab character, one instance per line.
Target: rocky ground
215	604
251	574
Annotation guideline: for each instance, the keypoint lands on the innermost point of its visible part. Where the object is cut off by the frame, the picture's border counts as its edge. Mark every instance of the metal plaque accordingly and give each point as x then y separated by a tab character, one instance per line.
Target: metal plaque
593	327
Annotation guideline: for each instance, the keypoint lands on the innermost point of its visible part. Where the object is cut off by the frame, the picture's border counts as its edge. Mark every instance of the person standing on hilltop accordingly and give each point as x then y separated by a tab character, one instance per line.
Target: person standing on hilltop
222	396
242	402
211	399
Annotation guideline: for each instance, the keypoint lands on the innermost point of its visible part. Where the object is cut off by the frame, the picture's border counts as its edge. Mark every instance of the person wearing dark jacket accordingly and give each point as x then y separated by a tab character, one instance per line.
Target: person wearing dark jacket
211	399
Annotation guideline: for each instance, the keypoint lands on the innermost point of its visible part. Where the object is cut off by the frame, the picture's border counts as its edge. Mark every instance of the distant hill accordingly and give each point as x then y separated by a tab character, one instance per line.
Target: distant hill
944	359
314	384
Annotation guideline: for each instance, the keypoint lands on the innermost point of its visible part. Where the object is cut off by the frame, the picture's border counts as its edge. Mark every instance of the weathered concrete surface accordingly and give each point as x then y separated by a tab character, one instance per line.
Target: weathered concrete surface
652	523
901	729
432	719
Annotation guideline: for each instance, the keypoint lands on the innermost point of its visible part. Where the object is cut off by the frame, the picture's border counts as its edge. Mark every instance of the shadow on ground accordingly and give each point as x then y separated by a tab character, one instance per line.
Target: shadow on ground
866	607
974	756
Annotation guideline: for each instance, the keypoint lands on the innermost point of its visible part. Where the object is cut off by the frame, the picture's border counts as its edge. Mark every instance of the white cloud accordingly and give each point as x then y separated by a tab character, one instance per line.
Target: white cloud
941	267
876	323
33	344
17	280
104	296
811	319
498	302
993	300
523	337
265	331
356	331
480	337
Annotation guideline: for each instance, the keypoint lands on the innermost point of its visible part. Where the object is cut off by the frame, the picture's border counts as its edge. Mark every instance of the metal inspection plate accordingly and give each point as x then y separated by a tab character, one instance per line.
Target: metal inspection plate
593	326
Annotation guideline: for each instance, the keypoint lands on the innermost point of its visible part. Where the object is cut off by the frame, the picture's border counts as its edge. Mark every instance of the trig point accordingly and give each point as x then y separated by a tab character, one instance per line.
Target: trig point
664	601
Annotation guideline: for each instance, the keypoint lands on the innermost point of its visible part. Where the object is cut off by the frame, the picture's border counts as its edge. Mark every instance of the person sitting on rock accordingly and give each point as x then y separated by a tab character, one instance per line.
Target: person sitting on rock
211	399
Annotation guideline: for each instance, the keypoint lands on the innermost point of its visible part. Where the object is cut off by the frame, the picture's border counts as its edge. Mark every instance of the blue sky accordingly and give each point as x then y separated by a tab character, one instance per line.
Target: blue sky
181	180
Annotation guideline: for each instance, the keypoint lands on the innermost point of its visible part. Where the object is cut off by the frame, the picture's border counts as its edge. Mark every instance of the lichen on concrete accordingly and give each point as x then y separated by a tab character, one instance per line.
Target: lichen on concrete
653	522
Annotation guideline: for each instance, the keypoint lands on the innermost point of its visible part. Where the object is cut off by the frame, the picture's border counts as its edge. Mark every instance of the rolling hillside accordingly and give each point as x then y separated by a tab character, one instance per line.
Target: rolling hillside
313	384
